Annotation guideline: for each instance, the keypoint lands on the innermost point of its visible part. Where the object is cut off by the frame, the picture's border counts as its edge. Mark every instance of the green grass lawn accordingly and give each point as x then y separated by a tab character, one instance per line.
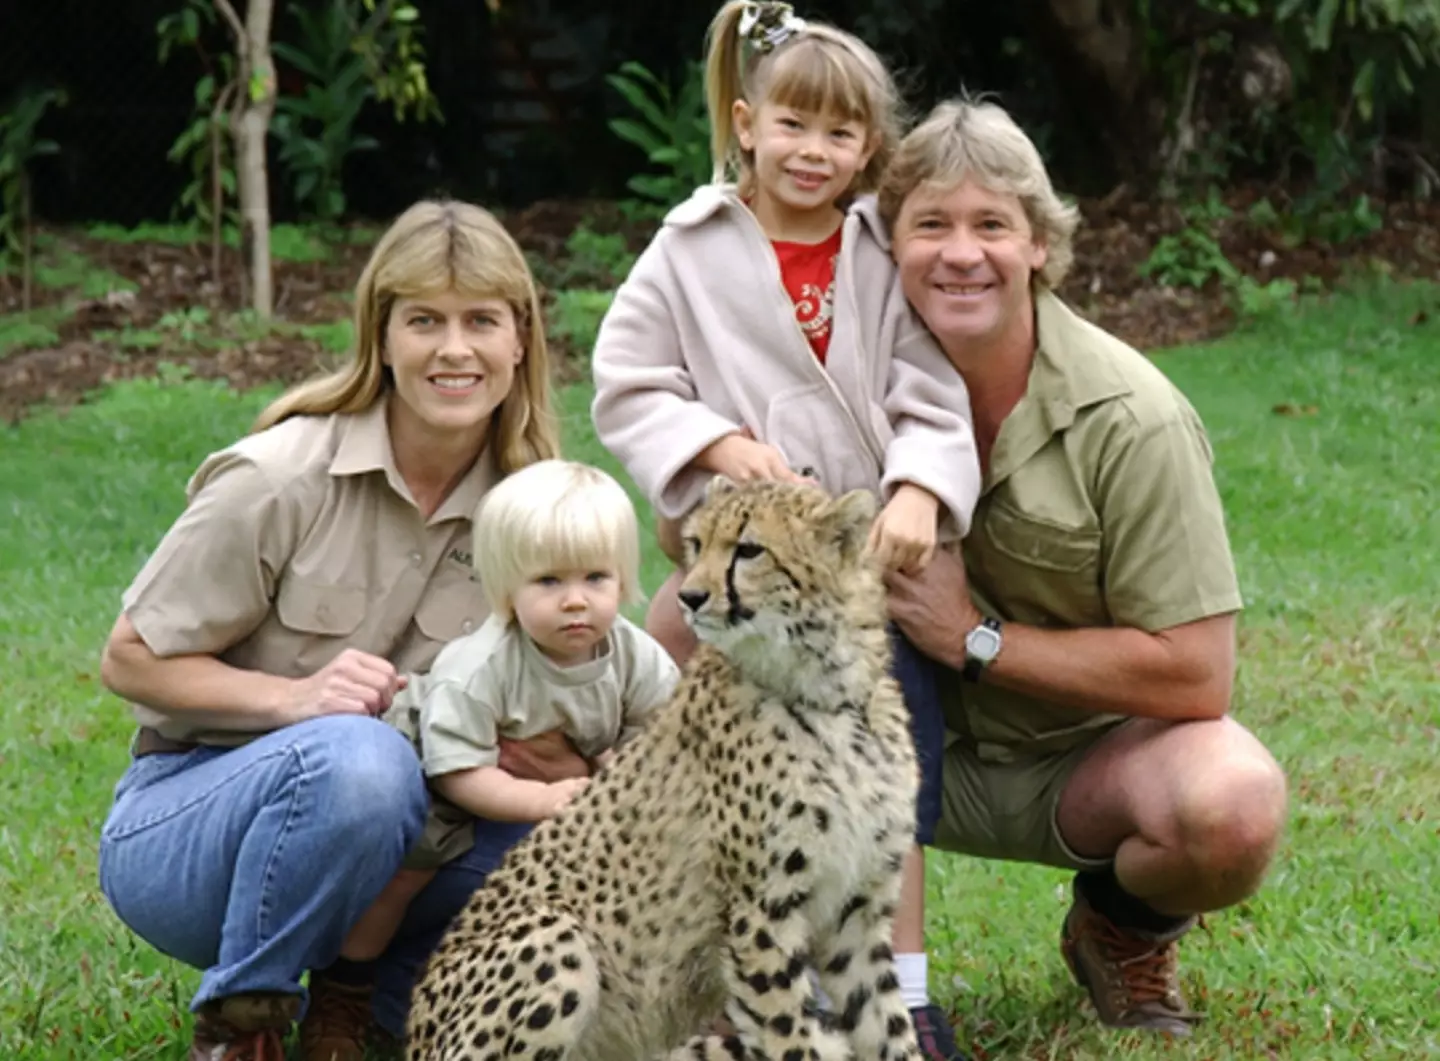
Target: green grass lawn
1332	503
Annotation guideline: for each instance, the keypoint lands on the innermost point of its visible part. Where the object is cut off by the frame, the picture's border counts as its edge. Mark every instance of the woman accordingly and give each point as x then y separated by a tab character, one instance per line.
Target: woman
319	560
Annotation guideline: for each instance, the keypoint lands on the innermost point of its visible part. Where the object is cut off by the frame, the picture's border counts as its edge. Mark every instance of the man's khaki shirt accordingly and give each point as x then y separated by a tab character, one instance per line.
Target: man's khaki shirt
302	541
1098	509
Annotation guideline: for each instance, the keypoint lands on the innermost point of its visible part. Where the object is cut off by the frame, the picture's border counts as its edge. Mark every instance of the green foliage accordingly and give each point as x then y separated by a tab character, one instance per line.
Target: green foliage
61	267
1338	88
1188	258
576	314
179	235
670	127
1387	44
604	253
19	146
26	331
292	243
389	43
1257	301
592	259
1313	217
316	131
204	146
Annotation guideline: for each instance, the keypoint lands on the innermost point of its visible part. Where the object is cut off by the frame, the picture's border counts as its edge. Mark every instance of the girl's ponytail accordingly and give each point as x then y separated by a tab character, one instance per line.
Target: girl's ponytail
723	85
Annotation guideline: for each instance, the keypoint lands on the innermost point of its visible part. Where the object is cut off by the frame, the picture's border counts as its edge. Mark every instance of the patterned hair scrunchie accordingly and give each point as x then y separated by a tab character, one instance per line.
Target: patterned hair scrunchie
769	24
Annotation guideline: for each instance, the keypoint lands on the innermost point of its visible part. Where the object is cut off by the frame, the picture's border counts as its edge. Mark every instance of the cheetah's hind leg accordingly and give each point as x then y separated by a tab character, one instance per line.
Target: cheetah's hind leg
526	994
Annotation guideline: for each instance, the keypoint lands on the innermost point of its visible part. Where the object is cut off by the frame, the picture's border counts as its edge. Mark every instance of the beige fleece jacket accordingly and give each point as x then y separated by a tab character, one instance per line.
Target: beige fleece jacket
702	340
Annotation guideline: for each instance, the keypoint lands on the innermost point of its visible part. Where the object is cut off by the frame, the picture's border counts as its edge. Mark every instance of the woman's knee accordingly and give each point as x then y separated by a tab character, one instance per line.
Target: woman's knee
365	771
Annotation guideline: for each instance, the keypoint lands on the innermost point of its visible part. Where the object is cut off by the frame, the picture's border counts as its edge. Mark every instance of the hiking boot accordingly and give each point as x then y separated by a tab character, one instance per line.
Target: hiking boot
337	1025
1132	977
243	1028
936	1036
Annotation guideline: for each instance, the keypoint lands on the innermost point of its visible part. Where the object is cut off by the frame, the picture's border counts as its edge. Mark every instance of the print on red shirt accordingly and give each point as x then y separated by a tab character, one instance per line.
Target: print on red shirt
808	272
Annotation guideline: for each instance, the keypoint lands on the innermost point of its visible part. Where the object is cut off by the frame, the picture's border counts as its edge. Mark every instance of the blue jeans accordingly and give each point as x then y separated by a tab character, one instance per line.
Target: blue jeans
918	676
253	863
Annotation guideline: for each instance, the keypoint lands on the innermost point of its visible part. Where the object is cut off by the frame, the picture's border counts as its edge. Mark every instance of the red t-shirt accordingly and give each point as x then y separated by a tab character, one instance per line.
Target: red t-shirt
808	272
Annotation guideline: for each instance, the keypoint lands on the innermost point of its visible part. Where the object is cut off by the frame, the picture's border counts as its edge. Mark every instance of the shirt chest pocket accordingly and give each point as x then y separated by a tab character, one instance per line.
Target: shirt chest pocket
313	623
453	605
316	609
1039	572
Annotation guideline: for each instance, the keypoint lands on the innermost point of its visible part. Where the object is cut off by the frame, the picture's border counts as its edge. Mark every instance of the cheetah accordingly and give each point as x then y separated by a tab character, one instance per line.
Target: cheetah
746	844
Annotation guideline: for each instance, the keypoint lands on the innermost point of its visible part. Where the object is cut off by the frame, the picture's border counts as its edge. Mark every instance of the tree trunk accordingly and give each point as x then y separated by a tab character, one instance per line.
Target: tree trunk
1099	49
250	123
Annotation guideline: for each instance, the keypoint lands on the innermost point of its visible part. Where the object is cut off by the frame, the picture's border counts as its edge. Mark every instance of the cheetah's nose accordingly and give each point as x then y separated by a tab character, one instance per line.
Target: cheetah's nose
694	599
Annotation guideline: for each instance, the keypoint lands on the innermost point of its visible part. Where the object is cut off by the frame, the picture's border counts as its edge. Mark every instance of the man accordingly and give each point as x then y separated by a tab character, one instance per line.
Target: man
1086	641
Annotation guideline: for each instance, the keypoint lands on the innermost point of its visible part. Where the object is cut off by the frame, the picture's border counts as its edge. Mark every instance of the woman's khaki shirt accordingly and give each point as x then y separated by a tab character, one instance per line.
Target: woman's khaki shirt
302	541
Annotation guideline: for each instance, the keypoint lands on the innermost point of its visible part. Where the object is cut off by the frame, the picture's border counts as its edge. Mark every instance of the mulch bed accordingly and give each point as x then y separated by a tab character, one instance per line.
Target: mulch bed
1116	237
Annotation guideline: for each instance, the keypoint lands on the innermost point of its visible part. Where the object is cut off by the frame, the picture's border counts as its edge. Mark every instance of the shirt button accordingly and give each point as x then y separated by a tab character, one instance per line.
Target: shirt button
416	557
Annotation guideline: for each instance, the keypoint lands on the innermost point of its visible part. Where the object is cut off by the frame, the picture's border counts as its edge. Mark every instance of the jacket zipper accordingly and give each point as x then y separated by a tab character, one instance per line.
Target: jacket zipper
866	440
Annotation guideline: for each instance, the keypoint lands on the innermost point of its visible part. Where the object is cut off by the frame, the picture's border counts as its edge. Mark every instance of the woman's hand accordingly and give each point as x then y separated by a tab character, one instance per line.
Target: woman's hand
353	683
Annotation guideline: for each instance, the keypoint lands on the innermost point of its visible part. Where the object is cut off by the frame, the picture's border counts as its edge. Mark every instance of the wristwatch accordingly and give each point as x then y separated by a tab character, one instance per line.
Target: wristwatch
982	645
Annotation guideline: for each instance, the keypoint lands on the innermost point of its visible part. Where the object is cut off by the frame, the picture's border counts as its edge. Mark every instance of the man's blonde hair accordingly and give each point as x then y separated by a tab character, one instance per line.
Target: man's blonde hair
973	140
436	246
554	515
816	68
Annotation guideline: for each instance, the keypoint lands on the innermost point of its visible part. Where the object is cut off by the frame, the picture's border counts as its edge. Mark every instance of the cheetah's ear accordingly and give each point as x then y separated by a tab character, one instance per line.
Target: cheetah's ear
848	518
718	487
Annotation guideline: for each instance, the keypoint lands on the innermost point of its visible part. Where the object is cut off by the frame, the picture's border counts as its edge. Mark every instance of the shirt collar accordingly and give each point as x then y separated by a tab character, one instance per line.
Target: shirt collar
1072	369
365	447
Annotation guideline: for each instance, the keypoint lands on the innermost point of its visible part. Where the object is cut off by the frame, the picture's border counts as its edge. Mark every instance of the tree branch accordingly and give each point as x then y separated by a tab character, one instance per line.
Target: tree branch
236	26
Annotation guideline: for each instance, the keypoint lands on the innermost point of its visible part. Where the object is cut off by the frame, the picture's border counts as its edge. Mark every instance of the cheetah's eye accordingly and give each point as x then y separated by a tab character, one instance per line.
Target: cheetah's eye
748	550
692	543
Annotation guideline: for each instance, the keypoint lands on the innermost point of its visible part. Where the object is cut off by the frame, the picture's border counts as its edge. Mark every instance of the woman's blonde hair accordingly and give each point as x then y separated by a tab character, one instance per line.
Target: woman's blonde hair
790	62
436	246
970	139
554	515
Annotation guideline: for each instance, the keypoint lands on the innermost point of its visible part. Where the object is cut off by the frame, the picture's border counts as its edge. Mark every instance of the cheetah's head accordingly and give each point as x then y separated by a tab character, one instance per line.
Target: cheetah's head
780	579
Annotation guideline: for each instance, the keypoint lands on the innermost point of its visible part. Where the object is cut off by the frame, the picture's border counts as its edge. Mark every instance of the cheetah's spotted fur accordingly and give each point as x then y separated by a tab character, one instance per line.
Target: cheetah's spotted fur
752	833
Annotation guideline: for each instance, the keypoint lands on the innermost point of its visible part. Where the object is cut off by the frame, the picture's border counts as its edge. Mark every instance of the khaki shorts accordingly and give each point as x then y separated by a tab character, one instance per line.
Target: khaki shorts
1006	809
449	833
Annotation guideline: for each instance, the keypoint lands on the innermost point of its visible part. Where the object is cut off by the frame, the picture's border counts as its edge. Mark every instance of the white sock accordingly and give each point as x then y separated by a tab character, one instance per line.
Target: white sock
914	977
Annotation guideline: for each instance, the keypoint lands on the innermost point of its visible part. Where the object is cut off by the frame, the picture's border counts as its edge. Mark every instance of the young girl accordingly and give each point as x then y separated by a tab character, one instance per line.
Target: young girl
556	551
763	333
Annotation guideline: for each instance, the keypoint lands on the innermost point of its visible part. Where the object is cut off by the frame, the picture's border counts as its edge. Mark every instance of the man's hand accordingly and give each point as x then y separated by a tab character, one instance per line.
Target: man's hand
547	757
903	535
934	609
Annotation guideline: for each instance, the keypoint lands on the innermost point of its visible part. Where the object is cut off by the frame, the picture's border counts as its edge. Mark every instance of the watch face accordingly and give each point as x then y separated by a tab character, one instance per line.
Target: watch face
983	643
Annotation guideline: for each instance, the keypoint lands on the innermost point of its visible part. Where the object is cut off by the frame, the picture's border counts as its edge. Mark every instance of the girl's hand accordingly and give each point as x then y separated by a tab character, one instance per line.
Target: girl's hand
740	458
903	535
